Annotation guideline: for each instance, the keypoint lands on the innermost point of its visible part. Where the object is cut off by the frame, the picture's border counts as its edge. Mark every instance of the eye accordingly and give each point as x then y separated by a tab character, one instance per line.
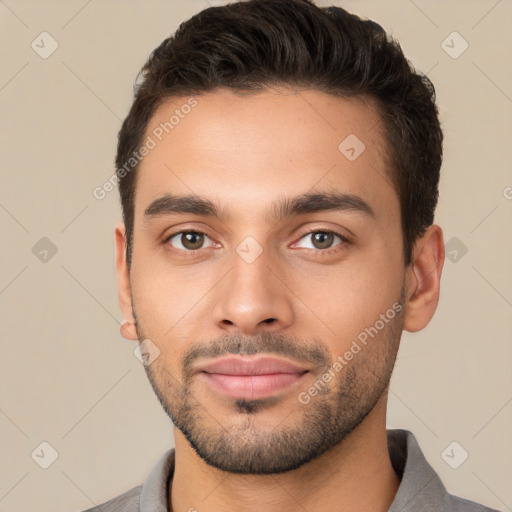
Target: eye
322	240
187	240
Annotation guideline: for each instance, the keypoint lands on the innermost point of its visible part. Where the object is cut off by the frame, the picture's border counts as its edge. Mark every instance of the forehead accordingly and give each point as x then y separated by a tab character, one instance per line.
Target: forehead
244	151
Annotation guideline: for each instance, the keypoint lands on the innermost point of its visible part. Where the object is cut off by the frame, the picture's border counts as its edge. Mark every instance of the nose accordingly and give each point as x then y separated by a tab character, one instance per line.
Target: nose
253	297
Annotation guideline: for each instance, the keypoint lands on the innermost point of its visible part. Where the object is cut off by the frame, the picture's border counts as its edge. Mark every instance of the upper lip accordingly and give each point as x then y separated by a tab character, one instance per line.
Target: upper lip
239	365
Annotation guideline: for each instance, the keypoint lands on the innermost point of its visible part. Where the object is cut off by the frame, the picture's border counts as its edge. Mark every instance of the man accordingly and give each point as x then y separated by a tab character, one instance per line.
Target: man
279	173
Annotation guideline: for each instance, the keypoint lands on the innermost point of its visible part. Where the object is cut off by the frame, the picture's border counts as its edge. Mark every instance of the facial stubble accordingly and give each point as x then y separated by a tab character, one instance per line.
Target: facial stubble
243	446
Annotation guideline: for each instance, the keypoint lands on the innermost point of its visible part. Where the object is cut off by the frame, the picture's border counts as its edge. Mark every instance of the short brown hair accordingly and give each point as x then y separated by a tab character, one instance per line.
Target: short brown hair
254	44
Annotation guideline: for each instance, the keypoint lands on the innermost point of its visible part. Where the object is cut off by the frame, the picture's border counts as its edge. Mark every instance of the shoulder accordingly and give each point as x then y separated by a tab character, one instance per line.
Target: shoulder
152	495
463	505
126	502
421	489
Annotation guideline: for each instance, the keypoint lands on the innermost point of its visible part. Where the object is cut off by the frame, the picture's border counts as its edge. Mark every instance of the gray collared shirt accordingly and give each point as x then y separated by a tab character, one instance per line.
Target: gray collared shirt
420	490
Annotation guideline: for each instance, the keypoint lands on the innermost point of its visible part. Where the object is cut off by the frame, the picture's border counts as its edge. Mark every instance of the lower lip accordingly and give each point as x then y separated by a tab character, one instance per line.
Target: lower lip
251	387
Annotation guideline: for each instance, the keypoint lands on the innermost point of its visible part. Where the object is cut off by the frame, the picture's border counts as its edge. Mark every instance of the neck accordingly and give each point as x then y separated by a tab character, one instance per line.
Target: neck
354	475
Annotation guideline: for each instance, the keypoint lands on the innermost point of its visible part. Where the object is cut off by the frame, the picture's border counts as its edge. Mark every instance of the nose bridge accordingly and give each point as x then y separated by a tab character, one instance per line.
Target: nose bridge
251	296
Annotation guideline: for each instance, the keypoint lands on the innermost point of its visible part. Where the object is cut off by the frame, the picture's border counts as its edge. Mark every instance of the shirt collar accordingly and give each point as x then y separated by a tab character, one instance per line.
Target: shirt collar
154	494
419	483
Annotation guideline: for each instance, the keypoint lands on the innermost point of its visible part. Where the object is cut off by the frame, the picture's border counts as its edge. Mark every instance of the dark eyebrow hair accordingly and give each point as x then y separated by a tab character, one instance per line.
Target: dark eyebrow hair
285	207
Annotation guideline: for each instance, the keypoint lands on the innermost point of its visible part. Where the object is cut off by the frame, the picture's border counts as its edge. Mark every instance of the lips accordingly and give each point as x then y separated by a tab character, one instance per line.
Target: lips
250	377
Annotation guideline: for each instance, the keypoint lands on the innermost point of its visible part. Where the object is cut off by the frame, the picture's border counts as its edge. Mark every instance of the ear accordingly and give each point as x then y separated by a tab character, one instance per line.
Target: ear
423	278
128	329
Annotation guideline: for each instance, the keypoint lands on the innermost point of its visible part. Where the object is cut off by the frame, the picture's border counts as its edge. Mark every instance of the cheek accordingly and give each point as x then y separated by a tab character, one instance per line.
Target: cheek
159	301
343	301
171	305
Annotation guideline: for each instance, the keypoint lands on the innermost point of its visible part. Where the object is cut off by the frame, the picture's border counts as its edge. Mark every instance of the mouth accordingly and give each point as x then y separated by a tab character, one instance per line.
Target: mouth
252	377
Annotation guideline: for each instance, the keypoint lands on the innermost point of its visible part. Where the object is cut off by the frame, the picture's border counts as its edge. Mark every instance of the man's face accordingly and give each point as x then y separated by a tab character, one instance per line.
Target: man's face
251	311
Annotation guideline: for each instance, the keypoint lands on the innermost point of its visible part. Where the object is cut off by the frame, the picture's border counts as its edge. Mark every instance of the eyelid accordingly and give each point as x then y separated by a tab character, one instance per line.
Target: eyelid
168	237
345	240
323	229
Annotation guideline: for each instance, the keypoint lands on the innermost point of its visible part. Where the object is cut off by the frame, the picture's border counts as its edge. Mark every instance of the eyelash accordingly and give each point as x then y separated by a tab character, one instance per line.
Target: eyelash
193	253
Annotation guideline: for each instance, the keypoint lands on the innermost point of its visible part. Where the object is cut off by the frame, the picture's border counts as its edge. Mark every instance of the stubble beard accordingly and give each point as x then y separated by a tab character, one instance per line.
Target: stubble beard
244	447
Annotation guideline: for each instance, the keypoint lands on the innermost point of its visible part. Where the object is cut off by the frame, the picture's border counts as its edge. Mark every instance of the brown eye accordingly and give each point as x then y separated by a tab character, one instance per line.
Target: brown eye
187	240
322	240
192	240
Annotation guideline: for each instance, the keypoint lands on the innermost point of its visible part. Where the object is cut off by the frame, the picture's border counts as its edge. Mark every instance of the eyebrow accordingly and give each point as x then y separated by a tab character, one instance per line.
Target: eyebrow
170	204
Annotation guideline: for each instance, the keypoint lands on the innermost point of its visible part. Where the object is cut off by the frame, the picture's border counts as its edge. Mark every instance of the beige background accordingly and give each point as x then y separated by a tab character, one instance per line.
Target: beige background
67	376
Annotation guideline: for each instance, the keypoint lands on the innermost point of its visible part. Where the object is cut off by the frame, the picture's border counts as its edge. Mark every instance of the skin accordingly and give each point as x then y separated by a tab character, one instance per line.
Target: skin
243	153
